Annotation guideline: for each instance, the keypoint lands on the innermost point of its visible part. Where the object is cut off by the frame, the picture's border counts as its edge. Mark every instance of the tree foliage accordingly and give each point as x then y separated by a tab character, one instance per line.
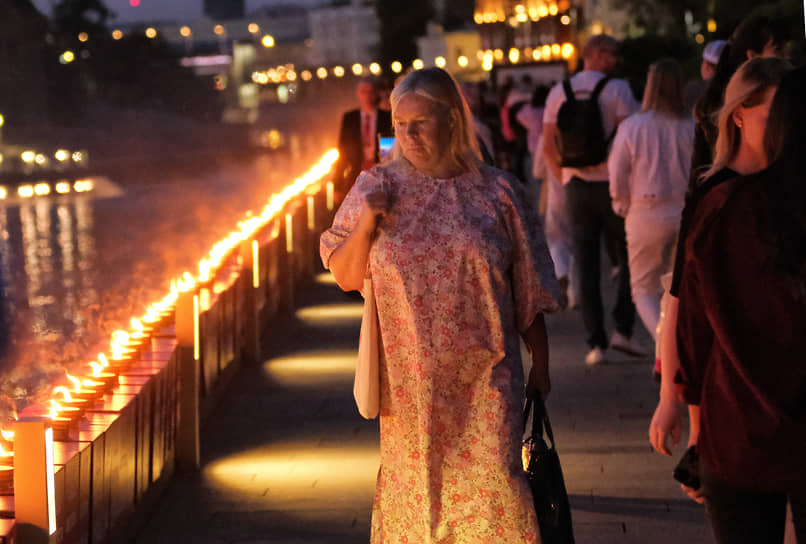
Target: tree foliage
401	24
74	16
665	17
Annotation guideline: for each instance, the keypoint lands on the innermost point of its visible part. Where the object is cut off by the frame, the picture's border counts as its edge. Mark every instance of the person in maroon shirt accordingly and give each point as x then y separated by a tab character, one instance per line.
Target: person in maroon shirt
742	349
756	36
740	151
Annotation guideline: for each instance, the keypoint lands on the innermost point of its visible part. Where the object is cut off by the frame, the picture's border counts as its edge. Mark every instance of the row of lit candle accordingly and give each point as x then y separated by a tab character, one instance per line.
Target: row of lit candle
70	400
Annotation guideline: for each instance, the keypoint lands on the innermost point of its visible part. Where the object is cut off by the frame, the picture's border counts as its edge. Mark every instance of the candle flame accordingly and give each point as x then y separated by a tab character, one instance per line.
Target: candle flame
65	393
76	382
204	270
90	383
103	360
96	369
54	409
4	453
120	338
8	436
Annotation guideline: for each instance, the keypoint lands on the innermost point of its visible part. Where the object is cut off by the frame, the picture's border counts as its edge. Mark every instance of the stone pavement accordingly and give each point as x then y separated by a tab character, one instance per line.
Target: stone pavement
287	459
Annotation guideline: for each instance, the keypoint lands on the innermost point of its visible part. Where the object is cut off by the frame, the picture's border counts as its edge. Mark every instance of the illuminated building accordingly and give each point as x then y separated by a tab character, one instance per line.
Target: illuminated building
344	32
527	24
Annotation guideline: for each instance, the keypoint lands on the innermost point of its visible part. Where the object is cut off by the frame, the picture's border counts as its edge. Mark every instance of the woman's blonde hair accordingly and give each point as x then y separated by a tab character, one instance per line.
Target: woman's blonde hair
664	89
745	89
439	87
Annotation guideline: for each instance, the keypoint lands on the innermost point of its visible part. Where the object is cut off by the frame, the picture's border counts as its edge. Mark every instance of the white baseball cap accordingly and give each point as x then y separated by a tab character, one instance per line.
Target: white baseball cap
713	51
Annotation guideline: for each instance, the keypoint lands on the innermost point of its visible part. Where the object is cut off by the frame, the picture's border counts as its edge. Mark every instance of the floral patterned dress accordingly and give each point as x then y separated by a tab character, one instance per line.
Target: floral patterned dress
459	266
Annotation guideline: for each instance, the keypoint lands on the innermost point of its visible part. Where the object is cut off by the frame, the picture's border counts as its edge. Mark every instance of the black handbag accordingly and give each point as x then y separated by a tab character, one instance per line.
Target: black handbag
542	466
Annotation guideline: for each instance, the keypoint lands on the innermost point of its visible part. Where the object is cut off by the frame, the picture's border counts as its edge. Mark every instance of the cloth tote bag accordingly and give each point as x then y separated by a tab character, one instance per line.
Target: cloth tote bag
366	387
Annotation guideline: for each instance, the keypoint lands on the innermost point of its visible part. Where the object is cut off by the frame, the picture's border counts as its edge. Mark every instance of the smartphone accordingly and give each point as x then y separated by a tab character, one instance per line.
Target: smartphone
385	144
687	470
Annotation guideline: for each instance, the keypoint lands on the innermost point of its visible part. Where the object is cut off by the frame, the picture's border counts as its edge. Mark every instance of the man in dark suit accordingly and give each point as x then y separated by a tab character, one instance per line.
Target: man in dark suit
358	136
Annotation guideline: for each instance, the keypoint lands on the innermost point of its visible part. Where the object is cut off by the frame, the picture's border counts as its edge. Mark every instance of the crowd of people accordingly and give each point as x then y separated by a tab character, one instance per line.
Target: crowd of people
483	218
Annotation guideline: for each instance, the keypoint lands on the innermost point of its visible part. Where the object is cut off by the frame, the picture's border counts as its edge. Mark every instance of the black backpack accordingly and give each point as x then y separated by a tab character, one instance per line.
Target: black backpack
580	136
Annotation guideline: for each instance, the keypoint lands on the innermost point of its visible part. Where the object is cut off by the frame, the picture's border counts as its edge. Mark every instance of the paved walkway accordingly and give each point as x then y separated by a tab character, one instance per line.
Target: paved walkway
287	459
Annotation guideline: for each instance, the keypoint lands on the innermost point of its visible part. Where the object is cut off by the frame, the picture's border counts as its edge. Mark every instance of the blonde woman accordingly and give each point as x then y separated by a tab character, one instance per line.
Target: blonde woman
739	151
649	168
460	271
755	37
742	306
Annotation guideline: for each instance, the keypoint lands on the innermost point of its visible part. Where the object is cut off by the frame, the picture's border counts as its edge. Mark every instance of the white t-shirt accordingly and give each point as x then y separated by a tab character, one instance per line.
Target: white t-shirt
650	161
616	102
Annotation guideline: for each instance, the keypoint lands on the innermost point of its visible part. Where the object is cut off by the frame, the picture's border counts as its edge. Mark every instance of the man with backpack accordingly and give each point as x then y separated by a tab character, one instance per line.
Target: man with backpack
580	119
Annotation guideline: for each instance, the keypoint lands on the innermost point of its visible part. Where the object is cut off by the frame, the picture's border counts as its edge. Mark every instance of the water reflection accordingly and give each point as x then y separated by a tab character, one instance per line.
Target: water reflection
58	260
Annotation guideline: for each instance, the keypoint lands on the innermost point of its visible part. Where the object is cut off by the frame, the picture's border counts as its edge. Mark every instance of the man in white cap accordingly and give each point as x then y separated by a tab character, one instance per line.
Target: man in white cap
710	58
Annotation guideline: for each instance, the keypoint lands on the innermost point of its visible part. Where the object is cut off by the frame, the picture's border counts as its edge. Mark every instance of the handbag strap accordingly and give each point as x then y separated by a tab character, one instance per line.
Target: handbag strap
540	419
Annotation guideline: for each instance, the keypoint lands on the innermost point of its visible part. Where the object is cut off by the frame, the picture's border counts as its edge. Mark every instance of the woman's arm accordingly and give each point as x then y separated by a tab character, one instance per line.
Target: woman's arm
349	261
667	419
619	170
536	340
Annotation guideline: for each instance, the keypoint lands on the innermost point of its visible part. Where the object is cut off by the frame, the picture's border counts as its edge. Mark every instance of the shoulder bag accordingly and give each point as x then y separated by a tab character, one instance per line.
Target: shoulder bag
542	466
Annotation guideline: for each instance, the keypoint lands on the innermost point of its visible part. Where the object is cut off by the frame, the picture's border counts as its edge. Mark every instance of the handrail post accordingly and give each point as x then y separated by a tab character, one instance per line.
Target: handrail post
187	336
34	482
250	282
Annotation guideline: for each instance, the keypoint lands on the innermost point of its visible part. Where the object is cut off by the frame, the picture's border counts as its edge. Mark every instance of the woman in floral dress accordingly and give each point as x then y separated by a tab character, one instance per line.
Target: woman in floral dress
460	271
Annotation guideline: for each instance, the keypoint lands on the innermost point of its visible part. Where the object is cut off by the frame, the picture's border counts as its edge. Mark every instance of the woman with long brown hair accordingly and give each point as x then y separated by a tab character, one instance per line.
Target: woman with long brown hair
649	166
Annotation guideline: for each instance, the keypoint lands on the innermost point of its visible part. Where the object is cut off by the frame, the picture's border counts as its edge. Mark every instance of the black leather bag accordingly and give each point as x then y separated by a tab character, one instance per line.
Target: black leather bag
542	466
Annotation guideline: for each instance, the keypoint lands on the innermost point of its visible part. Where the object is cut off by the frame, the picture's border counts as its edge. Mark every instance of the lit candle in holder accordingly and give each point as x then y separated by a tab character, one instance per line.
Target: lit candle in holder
123	346
60	410
59	418
86	389
106	380
69	401
140	330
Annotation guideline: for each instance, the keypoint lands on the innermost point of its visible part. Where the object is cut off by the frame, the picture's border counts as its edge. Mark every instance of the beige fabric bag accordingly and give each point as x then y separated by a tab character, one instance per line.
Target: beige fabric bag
366	388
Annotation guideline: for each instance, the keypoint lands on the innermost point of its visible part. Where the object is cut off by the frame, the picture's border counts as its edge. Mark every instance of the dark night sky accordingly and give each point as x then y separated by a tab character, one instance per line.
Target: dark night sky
168	10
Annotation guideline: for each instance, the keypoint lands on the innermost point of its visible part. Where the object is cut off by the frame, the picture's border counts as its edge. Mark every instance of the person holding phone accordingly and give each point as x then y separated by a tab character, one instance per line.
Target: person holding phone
460	272
741	310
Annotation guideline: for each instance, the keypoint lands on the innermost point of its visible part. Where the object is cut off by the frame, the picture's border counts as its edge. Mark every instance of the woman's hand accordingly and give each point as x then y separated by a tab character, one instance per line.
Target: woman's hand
539	383
697	495
349	261
374	209
667	422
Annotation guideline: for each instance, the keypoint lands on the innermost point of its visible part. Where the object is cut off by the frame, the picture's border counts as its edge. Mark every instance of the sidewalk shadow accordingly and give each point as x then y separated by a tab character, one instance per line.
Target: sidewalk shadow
678	510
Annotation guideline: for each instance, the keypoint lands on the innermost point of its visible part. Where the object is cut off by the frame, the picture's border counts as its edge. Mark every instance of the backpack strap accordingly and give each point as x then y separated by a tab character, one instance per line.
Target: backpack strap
599	88
569	92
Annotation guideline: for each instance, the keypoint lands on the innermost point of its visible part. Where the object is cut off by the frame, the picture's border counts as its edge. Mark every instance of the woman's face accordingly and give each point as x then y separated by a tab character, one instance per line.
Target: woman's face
752	121
423	130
